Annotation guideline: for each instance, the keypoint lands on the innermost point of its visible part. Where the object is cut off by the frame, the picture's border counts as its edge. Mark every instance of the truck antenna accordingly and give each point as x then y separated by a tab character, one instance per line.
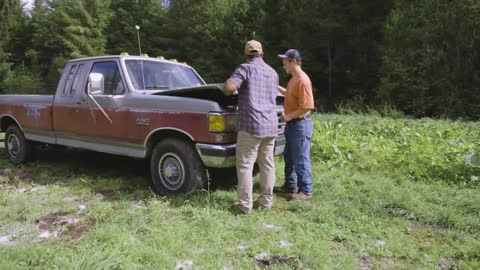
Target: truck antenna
140	54
138	37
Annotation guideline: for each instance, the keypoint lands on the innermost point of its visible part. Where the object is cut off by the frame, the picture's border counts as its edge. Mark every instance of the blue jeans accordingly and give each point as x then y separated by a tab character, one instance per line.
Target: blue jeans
298	171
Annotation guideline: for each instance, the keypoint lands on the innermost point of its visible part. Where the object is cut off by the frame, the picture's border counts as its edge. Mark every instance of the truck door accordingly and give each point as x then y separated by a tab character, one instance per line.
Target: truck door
79	122
112	101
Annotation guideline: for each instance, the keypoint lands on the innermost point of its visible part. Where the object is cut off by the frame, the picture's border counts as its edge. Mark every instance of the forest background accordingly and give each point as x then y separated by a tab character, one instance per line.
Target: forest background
417	57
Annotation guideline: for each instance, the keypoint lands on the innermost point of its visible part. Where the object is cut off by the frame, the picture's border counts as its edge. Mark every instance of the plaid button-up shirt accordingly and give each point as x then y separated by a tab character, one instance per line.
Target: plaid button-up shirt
257	90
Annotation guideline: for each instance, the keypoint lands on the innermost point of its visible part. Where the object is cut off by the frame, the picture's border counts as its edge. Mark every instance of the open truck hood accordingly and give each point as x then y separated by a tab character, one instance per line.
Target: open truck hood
212	92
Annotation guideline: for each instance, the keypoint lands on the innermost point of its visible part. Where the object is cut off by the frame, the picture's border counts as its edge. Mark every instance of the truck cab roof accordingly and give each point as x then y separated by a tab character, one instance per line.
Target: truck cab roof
130	57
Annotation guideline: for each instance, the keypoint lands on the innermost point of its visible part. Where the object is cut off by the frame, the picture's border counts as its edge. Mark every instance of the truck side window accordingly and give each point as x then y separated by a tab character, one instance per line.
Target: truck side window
68	84
112	77
76	81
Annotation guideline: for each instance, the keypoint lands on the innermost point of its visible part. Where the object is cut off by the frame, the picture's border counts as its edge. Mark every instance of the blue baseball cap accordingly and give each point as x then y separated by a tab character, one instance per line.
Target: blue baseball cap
291	54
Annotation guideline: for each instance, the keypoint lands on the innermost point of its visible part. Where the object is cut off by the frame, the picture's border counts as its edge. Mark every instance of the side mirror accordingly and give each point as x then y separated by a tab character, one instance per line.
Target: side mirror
96	85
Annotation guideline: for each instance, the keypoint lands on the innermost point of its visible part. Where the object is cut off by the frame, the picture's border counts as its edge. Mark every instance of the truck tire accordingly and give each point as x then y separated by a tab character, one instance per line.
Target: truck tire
18	148
176	168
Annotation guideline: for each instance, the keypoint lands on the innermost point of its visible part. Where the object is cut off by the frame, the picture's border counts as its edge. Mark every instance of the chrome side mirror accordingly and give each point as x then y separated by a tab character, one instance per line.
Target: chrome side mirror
96	84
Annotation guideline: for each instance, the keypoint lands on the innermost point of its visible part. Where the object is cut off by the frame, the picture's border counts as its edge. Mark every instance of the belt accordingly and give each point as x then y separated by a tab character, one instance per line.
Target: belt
306	117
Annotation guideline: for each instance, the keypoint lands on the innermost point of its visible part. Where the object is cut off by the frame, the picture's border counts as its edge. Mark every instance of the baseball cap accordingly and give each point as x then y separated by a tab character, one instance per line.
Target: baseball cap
253	46
291	54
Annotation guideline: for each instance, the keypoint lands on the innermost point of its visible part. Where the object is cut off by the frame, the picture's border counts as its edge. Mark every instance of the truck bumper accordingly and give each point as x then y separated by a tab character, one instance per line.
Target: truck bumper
223	156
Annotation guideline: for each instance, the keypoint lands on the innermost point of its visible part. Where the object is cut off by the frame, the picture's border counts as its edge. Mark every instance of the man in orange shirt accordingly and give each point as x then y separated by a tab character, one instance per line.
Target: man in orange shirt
298	129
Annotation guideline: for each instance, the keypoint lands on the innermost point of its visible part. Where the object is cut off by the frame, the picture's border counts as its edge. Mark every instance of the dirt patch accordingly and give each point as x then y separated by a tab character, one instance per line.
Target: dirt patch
365	263
418	227
60	224
76	231
48	221
17	175
445	264
110	193
278	260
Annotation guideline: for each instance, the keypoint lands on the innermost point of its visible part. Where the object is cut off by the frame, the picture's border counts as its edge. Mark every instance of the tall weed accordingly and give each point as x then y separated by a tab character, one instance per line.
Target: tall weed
423	149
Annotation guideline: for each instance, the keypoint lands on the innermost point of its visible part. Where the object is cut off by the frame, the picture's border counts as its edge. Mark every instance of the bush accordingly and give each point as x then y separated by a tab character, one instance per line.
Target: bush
423	149
430	58
22	81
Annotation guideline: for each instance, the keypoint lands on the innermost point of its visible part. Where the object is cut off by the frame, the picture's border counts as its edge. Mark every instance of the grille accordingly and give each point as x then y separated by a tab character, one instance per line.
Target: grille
281	125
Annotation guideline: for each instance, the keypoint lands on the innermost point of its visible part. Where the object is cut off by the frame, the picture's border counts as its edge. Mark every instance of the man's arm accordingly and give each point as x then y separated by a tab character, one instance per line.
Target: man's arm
282	90
235	81
229	87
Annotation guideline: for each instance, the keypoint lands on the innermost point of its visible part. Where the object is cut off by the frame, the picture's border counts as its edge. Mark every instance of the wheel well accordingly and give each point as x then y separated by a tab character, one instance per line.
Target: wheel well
162	135
7	121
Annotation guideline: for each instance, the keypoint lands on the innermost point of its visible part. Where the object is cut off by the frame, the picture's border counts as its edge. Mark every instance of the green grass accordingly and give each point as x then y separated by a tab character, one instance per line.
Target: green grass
379	204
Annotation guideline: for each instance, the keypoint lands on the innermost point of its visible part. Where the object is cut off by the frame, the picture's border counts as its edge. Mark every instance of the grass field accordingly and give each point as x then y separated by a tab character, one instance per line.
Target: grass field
389	194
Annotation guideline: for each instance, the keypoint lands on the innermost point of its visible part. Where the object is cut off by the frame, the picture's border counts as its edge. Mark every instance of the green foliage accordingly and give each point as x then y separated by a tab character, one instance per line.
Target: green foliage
430	58
12	20
417	55
149	15
66	30
374	217
22	81
4	69
210	34
337	39
421	149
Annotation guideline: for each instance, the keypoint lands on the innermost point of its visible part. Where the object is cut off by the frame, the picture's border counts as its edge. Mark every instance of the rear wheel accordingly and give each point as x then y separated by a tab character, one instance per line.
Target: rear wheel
19	149
176	168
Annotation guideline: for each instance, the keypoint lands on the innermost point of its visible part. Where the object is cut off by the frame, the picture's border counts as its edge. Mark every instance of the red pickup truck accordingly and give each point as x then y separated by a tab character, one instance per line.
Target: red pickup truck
135	106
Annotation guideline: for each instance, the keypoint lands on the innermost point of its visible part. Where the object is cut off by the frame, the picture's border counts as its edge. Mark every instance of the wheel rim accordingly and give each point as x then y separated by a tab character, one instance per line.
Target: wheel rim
171	171
13	145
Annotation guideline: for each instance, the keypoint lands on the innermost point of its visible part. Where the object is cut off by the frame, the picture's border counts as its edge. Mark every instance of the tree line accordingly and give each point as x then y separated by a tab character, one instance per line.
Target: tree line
419	56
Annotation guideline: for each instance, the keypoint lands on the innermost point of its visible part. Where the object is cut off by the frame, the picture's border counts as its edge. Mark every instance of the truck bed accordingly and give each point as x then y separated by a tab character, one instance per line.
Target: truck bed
33	113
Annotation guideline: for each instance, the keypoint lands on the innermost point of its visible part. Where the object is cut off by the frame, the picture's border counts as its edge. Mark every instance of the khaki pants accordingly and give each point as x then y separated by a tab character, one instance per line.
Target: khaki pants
249	150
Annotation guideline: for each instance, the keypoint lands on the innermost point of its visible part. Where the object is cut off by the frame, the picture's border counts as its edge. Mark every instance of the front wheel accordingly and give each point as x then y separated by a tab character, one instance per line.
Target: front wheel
176	168
19	149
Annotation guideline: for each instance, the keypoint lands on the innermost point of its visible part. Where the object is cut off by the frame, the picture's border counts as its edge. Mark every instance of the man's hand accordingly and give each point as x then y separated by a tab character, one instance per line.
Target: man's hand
229	88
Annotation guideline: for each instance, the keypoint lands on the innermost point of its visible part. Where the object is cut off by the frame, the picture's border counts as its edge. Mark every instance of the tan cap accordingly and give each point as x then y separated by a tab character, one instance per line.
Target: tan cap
253	46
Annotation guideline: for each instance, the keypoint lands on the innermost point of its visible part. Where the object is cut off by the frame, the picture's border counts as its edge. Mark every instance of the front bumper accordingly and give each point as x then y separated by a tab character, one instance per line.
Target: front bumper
223	156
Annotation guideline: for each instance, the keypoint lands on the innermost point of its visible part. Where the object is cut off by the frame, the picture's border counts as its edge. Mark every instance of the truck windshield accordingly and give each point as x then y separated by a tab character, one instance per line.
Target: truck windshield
153	75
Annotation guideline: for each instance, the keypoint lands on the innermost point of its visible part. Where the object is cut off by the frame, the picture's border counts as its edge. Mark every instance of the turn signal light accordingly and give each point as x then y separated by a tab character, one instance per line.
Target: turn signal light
220	122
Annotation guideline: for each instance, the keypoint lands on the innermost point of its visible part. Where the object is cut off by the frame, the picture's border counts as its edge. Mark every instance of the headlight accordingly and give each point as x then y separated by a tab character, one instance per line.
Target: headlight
221	122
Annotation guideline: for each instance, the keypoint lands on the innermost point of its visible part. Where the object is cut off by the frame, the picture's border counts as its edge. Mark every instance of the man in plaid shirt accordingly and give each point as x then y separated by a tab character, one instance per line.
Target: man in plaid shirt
256	83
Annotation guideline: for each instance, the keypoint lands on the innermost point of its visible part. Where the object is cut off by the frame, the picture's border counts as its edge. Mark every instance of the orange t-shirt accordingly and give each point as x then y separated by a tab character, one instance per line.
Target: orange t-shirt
299	94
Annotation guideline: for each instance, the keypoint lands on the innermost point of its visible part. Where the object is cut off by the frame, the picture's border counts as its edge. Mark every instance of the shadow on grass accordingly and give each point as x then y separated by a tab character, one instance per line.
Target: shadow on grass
113	177
65	166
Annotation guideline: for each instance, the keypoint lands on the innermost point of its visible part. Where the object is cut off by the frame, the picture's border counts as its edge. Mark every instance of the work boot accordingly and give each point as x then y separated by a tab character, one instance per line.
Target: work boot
300	196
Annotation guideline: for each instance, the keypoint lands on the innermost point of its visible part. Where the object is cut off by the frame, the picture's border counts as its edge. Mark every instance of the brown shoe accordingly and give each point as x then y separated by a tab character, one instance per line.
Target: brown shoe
257	205
283	189
300	196
237	209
